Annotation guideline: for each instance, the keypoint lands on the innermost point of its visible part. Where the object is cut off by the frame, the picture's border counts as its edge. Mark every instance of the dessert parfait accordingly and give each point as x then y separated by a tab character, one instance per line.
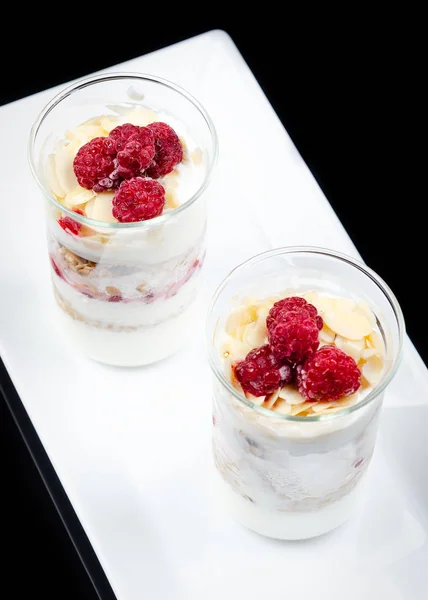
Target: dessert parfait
301	358
123	161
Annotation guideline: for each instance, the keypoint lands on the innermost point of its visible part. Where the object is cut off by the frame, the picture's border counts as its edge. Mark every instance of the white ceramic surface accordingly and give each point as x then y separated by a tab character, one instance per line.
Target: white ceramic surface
132	447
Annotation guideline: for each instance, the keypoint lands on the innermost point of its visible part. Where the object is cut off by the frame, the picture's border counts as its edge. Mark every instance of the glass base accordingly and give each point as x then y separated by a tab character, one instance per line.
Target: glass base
143	346
286	525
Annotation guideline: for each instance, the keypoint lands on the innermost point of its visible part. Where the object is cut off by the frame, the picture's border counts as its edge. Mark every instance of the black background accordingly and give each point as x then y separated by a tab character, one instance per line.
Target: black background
345	91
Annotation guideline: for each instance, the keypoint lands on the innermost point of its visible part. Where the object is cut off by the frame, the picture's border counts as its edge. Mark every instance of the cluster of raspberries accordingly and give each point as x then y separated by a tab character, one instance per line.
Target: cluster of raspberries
292	356
129	160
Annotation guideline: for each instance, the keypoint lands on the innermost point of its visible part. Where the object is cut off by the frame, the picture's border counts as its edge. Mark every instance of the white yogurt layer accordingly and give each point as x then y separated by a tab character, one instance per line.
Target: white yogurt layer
129	348
286	525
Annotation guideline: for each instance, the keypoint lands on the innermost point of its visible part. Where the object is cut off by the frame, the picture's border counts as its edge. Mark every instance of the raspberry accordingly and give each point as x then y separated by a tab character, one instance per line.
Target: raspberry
294	336
94	165
328	374
292	303
56	268
138	199
261	373
135	148
168	150
69	225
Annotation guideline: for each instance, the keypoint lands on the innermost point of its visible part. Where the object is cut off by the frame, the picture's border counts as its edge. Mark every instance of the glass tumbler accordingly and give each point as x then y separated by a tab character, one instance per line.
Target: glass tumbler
296	477
125	291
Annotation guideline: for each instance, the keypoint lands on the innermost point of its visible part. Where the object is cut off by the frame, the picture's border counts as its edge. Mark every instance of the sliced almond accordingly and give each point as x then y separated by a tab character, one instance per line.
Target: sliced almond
297	409
354	348
84	133
102	210
282	407
171	200
271	399
327	335
234	348
368	352
375	341
372	369
240	316
51	177
64	157
78	197
344	304
268	302
310	296
171	180
141	116
197	156
108	123
364	309
255	334
320	407
323	304
89	208
348	324
258	400
291	395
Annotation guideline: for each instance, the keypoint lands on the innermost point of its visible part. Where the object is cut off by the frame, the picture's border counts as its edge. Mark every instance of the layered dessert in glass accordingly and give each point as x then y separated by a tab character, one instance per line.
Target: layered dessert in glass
302	344
124	162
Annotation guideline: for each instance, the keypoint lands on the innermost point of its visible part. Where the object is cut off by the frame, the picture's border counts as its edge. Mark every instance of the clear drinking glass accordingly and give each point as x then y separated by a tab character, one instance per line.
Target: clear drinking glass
284	476
126	291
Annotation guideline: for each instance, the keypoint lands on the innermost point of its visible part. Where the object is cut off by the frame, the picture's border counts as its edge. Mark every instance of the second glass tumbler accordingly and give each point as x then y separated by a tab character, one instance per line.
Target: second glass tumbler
123	162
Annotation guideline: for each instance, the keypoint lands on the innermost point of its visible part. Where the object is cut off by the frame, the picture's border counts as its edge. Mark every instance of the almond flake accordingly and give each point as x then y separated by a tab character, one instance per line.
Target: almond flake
103	208
240	316
271	399
282	407
364	309
354	348
327	335
258	400
300	408
51	176
196	156
372	369
375	341
291	395
348	324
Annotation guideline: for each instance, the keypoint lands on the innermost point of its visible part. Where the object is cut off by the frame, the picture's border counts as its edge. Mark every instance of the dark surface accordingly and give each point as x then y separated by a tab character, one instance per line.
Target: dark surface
335	96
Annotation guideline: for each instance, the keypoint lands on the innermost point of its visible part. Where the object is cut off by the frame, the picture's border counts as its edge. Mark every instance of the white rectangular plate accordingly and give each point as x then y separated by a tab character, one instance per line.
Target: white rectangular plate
132	447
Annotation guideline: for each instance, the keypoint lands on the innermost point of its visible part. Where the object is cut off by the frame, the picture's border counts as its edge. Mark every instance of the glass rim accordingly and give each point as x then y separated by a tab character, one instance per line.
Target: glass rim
388	293
117	75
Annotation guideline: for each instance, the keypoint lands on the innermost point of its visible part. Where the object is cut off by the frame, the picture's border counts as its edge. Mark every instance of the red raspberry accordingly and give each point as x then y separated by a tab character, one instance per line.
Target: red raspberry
328	374
294	336
56	268
135	148
292	303
138	199
261	373
94	165
169	151
69	225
